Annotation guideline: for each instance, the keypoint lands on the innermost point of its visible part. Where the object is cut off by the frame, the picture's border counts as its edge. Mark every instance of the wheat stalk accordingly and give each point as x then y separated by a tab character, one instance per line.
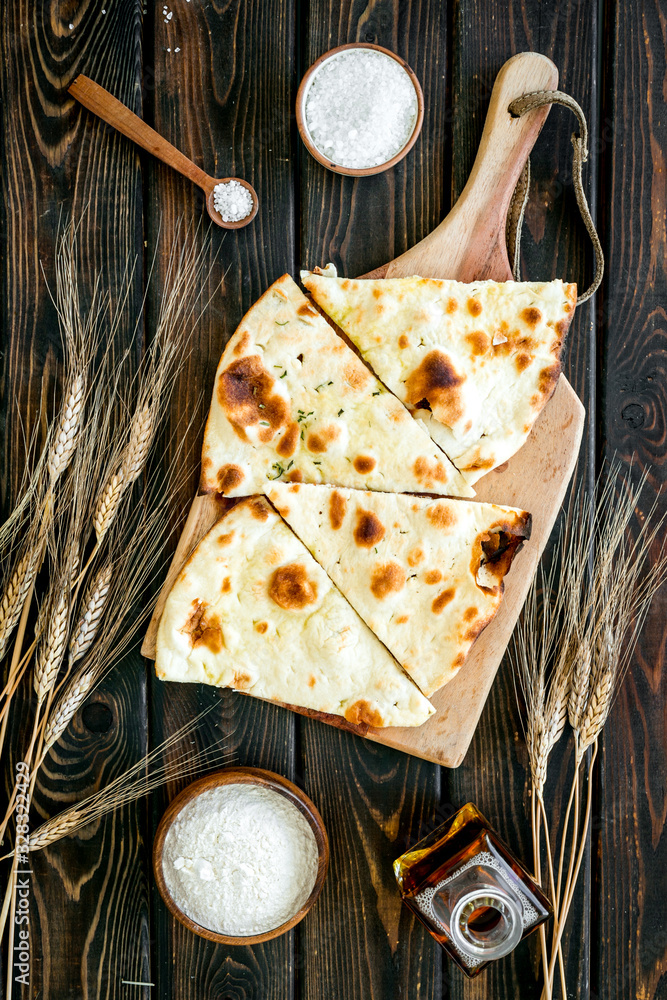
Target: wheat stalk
556	707
597	712
90	614
20	585
543	672
581	674
107	504
141	437
52	652
145	776
67	430
67	707
87	446
166	356
36	498
543	668
136	541
80	342
572	650
137	554
15	594
132	463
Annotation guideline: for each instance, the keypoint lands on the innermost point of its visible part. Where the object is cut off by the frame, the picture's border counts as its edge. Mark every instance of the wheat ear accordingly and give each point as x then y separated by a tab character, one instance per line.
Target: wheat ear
90	614
60	451
107	505
65	710
613	595
133	461
83	636
15	595
142	433
581	674
50	655
599	695
67	431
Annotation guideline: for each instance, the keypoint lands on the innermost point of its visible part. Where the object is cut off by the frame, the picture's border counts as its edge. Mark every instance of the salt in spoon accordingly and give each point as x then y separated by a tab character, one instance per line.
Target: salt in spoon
113	112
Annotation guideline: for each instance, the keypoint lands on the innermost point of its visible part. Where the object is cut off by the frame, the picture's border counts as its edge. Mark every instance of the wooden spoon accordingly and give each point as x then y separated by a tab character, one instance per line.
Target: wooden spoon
109	109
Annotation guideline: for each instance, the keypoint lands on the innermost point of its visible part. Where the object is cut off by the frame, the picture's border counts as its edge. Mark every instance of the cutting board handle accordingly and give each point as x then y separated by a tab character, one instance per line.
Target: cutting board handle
470	243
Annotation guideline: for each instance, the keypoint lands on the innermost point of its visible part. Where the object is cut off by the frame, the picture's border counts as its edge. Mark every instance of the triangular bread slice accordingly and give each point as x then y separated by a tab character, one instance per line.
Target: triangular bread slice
253	611
477	361
426	575
293	401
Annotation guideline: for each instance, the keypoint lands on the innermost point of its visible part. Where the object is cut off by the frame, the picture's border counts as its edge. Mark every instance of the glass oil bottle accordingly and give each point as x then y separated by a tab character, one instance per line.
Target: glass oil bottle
476	899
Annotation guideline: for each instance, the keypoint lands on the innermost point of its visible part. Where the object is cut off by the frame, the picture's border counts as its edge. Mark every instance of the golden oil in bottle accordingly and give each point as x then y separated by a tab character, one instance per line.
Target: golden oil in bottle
473	895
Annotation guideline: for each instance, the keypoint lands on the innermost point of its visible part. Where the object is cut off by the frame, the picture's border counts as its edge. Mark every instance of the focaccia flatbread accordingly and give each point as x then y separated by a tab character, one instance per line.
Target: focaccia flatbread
293	401
484	357
253	611
425	575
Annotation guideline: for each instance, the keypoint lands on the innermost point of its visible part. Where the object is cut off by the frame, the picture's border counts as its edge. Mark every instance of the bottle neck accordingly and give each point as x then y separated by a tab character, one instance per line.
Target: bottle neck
486	922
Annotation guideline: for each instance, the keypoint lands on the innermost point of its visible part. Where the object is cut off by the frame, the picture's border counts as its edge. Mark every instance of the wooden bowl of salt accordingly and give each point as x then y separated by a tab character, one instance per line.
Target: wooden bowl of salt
240	856
359	109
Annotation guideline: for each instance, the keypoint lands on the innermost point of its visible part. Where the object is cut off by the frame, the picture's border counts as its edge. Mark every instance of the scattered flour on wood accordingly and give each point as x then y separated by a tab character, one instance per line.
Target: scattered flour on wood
240	859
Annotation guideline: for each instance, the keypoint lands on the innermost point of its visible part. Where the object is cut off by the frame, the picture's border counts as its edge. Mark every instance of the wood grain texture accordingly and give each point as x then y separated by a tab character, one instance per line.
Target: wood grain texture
359	941
360	223
494	773
57	163
97	882
225	106
470	244
630	818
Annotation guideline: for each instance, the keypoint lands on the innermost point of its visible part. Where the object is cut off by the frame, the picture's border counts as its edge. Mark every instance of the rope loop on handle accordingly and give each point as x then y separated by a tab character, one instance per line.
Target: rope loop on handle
519	107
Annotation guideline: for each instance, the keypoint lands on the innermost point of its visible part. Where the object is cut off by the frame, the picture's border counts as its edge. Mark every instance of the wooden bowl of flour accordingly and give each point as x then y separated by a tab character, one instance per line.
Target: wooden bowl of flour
259	779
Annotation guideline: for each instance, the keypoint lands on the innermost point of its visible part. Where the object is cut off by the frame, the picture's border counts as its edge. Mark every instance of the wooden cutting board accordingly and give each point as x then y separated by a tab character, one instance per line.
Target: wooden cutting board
468	245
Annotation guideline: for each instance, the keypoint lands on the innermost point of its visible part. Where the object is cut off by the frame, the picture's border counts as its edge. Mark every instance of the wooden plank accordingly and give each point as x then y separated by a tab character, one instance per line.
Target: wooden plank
470	243
91	893
57	161
629	821
223	99
359	942
494	773
361	223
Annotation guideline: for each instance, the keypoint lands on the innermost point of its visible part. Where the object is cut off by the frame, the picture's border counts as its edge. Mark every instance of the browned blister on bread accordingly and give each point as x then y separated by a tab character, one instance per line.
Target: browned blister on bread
426	575
293	402
252	610
476	363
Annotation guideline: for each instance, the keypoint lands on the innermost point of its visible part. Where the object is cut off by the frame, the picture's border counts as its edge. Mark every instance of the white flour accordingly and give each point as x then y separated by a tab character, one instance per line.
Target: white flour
240	859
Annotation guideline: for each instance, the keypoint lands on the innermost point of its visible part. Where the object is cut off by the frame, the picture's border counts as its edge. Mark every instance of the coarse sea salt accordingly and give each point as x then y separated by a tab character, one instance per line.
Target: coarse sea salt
232	200
240	859
360	108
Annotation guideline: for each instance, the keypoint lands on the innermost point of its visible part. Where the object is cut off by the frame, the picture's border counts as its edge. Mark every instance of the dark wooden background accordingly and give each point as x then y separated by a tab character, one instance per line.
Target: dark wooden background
227	100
